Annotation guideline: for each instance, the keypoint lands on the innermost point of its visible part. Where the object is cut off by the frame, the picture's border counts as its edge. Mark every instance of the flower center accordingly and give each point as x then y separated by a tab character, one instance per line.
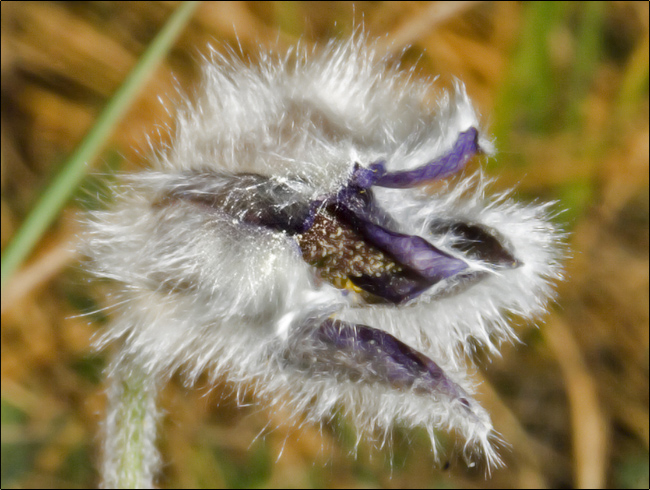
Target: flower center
341	255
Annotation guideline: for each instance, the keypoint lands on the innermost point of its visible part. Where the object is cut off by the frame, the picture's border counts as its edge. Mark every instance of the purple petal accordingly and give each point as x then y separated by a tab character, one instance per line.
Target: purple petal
369	355
251	198
395	287
478	243
466	147
365	178
411	251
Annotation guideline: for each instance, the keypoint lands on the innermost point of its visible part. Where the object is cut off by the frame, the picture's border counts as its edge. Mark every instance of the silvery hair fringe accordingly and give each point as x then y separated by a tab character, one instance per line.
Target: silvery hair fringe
208	283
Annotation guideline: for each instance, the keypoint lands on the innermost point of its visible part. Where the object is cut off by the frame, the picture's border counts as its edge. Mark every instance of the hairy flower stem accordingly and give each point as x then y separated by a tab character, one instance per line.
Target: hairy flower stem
131	459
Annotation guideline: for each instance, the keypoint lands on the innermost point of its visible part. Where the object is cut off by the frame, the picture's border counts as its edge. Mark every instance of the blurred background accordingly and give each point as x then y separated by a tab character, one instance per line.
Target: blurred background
563	87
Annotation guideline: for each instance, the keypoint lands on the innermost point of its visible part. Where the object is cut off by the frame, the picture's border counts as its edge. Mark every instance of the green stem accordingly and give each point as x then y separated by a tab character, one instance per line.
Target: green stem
130	456
56	195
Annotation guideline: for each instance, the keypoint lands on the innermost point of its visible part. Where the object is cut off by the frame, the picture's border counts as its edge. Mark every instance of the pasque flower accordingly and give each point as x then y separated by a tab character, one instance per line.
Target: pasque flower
287	240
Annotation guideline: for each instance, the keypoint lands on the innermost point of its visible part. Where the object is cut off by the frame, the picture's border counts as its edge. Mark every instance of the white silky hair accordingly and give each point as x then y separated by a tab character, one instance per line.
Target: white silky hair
200	291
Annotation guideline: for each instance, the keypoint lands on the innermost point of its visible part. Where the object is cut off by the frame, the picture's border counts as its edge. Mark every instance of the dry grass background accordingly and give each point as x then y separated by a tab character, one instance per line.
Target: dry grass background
564	87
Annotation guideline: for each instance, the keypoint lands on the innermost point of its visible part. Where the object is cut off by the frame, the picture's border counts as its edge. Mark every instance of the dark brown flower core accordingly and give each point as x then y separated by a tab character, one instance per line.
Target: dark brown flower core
340	254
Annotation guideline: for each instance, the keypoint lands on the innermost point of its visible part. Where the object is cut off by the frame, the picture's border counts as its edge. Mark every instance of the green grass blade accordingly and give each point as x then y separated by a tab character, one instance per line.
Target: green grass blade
589	48
59	191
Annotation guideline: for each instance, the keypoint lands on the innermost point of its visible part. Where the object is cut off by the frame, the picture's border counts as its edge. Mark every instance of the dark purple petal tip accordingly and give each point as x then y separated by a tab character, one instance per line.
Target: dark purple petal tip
478	243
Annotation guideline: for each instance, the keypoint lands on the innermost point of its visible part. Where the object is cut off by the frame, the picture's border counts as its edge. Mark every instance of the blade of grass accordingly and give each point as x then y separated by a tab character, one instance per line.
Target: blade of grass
589	46
59	191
